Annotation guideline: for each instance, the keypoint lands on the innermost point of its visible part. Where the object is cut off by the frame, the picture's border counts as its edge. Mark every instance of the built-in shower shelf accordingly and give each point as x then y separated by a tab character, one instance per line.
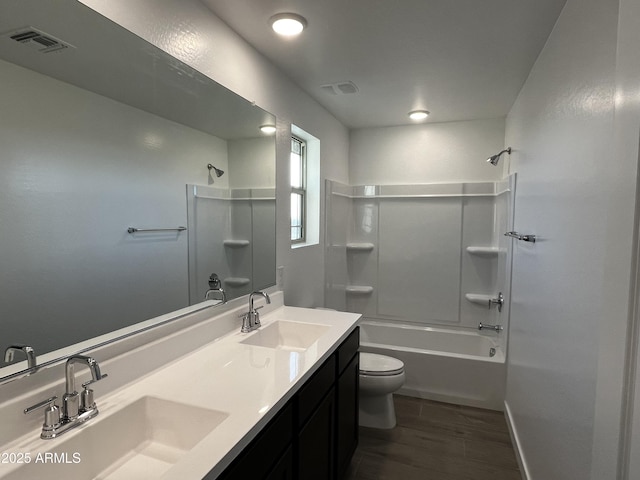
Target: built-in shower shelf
359	247
236	281
359	290
236	243
483	251
478	298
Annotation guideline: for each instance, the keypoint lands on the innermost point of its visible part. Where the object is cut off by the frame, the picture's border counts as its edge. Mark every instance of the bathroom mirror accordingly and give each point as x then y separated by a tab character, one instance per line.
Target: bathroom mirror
102	132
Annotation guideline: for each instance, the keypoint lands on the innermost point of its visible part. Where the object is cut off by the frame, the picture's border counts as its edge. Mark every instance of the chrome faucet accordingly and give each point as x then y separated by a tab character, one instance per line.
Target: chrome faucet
77	408
251	319
72	401
30	353
215	287
496	328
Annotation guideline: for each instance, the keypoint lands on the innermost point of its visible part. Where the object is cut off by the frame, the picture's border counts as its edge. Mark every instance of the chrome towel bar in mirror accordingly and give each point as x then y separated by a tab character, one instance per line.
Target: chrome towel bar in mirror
176	229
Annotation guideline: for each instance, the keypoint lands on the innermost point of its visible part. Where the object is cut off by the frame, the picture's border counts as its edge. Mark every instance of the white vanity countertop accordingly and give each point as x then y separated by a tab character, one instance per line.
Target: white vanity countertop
247	383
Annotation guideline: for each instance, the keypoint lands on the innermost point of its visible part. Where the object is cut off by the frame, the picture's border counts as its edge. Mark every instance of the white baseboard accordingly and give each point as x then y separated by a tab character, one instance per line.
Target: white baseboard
522	464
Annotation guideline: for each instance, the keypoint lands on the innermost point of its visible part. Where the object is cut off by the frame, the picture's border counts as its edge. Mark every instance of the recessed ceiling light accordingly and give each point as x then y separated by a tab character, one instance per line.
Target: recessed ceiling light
268	129
287	24
417	115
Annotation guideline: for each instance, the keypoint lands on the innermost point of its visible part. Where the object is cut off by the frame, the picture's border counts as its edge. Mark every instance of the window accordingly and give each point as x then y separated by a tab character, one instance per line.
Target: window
298	190
305	188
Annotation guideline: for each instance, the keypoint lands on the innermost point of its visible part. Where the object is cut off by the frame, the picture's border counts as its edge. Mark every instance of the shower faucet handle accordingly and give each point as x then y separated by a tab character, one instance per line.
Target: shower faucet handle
499	300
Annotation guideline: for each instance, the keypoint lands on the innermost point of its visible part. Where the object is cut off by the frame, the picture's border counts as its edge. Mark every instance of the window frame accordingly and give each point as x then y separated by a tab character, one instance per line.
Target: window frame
302	191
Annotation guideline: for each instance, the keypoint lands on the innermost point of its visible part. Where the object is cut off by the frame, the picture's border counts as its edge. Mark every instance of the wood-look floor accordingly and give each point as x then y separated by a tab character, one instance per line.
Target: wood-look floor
436	441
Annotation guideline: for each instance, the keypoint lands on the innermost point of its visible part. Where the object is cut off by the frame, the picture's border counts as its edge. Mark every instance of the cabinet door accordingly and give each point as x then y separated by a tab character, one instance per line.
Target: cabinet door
264	452
316	443
284	469
347	416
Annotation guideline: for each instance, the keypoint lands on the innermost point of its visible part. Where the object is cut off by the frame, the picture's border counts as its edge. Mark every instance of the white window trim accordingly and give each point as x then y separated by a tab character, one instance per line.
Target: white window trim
312	190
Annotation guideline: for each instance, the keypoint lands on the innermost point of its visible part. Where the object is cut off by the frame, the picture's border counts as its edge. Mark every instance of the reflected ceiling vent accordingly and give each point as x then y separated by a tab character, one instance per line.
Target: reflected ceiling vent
340	88
37	40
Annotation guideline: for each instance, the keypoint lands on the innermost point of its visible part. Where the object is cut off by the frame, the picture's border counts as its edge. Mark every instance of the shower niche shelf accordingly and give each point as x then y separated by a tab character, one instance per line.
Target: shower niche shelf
361	290
236	243
478	298
236	281
483	251
360	247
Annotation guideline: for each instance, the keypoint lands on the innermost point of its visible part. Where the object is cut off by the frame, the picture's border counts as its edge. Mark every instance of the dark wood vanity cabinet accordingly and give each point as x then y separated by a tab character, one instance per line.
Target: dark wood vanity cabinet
269	455
347	399
346	416
315	458
283	469
315	435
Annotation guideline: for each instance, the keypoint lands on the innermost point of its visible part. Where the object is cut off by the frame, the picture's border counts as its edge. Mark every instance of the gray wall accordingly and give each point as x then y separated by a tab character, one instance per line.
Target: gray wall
572	285
77	170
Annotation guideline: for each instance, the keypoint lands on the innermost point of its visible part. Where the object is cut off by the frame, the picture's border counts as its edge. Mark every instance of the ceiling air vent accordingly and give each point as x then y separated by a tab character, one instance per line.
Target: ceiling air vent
340	88
37	40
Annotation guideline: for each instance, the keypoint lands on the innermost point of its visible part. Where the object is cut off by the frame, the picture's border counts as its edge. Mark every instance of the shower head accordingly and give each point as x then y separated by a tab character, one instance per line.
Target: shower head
219	172
493	159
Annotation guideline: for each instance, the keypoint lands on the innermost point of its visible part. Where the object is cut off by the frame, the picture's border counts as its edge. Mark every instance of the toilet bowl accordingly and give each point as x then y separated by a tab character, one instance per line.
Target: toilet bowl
380	376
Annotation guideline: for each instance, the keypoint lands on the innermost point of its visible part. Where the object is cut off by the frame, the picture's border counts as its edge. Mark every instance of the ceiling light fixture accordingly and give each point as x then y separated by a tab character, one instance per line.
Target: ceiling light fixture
268	129
288	24
417	115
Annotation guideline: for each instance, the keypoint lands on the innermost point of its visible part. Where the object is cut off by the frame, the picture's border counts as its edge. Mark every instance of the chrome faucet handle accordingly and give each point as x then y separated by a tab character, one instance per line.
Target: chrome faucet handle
256	316
499	300
86	384
246	322
51	415
86	397
44	403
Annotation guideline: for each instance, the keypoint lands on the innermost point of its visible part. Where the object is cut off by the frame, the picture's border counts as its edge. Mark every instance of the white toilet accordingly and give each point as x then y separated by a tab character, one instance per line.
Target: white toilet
380	376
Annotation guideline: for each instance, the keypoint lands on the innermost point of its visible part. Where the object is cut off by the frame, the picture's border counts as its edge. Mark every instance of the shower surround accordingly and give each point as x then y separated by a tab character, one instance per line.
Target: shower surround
428	257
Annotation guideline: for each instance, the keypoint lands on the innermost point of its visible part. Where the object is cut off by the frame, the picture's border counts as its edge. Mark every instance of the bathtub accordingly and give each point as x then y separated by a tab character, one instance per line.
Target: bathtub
454	366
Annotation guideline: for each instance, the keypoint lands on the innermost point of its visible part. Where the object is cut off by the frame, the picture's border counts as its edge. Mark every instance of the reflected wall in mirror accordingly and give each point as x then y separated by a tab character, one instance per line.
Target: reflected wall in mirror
231	235
102	131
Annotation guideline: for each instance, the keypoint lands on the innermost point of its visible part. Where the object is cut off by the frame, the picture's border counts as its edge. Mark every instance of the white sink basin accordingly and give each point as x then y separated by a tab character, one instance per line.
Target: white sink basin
143	440
286	335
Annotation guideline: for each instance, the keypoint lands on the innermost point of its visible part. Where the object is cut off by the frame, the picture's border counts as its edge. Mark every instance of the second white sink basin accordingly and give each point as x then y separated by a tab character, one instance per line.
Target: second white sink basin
142	440
287	335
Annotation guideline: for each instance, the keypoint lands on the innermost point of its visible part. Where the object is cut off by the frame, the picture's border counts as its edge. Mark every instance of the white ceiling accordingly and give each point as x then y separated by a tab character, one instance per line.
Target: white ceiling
459	59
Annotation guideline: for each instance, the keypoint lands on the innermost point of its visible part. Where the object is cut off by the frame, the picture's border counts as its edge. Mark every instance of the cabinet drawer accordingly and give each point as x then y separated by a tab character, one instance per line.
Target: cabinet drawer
348	349
310	396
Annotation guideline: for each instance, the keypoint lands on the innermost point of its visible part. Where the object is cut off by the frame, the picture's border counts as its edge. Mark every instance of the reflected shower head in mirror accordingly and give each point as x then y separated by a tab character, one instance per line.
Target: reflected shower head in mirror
493	159
219	172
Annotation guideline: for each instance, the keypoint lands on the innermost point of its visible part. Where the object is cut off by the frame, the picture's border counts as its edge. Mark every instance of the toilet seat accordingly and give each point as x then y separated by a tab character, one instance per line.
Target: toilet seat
377	365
